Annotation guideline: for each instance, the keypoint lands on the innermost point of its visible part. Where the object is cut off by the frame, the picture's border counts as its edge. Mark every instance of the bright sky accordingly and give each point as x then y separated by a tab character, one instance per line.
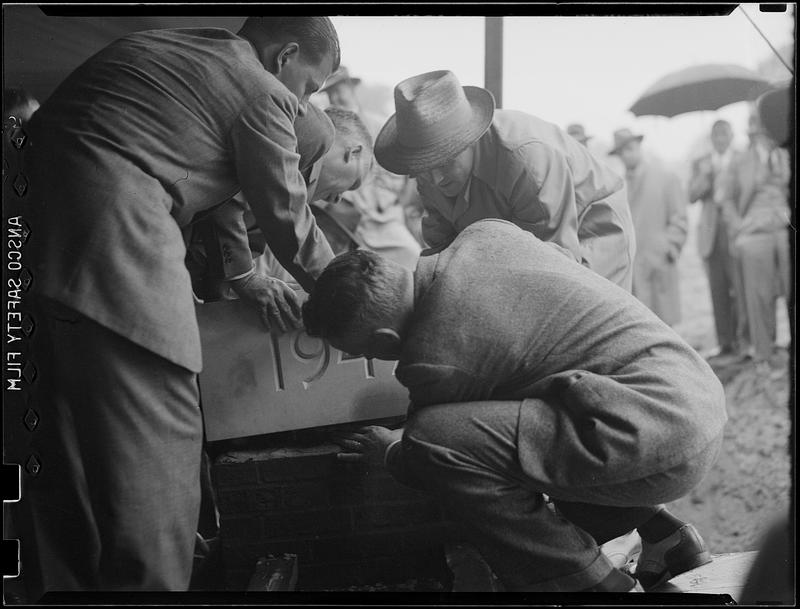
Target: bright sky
573	69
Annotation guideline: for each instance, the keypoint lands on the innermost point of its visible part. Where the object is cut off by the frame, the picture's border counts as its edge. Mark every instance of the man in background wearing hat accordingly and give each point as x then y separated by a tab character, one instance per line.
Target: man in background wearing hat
658	206
473	162
578	131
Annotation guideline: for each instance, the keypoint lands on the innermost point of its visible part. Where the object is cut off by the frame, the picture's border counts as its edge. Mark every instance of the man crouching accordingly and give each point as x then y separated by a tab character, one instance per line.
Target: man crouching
530	375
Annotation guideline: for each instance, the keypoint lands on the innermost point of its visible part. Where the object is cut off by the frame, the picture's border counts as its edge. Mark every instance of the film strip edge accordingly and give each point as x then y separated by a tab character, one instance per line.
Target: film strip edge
20	417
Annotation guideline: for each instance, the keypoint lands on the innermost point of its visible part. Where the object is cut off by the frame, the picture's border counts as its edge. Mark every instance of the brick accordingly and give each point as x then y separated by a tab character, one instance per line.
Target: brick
354	491
395	515
277	469
262	498
307	495
396	569
267	498
233	475
238	555
309	523
233	501
361	546
237	579
248	528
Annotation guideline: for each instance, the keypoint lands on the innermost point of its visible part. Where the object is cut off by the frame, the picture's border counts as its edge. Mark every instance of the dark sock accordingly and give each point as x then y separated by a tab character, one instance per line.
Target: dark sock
660	526
616	581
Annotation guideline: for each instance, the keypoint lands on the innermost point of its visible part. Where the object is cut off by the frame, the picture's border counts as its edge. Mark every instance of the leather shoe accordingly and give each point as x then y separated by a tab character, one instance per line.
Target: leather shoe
677	553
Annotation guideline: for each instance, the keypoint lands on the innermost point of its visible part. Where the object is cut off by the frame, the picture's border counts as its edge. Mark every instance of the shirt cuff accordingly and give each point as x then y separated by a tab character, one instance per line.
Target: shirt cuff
252	271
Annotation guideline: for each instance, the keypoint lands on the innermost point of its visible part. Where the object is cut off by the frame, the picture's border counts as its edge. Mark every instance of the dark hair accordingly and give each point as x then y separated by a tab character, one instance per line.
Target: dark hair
356	288
350	124
316	35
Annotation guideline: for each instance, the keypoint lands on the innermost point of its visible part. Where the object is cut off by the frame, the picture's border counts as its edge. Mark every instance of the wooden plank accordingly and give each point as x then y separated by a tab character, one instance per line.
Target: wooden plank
726	574
254	382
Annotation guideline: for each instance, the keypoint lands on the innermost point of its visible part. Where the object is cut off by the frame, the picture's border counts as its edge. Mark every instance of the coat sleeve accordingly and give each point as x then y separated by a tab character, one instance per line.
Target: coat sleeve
677	220
263	144
430	384
230	239
541	193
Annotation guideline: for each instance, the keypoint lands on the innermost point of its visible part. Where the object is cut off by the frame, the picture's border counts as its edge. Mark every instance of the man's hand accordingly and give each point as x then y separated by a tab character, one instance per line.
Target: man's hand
368	444
274	300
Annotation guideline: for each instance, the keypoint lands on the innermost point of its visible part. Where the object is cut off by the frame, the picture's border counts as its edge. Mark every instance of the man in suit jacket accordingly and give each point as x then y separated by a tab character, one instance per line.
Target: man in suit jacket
146	134
658	206
755	200
474	162
528	374
712	236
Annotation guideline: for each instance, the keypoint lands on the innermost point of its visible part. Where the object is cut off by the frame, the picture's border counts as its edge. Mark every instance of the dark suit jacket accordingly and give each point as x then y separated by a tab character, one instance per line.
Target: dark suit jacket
613	394
150	131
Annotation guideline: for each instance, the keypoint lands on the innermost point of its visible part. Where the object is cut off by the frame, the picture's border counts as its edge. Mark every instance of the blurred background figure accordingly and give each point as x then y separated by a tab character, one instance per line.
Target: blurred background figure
578	131
755	200
712	239
658	208
385	203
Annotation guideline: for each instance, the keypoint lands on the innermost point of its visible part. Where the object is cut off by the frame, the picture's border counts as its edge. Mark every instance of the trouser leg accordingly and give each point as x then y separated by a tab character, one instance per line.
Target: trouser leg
719	269
605	522
116	504
466	455
759	267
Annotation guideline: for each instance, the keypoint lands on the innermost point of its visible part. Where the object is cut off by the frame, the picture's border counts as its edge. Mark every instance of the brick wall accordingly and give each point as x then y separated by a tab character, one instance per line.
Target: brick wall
348	526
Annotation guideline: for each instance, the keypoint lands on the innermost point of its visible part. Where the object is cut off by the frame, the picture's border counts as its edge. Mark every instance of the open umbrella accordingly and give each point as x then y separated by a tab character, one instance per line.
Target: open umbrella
701	87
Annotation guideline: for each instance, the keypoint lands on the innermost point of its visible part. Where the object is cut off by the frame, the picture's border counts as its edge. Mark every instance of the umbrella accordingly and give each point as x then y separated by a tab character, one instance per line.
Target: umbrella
701	87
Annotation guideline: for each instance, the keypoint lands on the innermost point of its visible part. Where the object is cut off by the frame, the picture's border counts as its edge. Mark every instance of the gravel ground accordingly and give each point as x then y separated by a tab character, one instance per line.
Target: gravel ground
751	483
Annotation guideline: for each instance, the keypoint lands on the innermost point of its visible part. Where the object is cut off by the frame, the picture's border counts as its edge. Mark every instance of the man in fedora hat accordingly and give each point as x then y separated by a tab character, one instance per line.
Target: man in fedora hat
530	375
474	162
658	207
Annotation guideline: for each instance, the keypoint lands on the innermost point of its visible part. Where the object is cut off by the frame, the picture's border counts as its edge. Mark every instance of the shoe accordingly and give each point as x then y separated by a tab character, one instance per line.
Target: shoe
682	551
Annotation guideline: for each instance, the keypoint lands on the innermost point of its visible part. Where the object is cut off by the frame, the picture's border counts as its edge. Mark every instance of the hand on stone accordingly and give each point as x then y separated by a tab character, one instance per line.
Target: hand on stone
275	301
368	444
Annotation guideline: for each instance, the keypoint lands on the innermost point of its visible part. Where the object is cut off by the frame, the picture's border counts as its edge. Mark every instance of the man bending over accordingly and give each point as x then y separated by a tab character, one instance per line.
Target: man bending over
531	375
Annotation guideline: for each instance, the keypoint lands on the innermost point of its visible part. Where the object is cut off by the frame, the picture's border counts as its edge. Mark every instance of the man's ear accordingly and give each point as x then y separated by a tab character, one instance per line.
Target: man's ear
289	52
384	343
351	151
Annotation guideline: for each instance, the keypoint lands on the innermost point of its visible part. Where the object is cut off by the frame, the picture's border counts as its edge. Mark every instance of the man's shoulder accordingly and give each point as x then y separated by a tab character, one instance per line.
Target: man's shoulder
512	129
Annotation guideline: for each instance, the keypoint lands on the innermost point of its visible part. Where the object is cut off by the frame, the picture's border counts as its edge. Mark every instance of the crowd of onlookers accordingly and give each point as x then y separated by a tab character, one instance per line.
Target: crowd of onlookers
742	234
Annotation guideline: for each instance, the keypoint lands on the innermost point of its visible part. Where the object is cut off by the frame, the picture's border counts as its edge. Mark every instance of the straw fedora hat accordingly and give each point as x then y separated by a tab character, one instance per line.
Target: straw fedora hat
622	137
436	118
